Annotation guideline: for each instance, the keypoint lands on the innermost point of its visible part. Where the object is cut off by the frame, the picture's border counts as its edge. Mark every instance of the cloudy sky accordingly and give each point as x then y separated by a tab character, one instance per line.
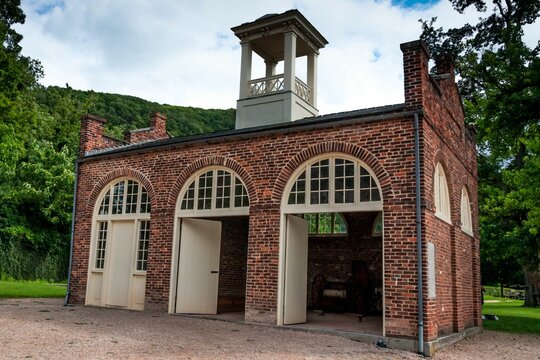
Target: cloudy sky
182	52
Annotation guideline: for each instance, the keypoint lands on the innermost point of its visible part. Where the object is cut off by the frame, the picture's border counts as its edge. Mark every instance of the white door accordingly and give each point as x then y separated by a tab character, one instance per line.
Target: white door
198	268
296	260
120	263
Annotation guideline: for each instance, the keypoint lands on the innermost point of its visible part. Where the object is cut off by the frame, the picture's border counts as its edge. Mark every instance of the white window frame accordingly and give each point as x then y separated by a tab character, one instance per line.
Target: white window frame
441	195
332	233
331	206
110	217
466	214
213	210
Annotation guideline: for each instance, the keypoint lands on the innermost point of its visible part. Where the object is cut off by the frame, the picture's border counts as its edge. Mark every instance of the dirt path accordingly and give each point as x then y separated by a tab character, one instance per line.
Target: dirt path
44	329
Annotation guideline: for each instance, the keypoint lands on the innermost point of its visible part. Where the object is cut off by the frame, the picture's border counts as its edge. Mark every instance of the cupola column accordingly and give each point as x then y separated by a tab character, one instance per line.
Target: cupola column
270	67
289	61
312	76
245	70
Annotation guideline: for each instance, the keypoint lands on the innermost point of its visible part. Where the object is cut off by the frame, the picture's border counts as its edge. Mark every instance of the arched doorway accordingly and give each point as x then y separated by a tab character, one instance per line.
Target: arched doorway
331	249
119	246
210	247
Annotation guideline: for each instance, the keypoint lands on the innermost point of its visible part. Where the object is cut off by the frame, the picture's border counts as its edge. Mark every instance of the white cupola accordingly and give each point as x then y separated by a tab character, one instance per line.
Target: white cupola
277	98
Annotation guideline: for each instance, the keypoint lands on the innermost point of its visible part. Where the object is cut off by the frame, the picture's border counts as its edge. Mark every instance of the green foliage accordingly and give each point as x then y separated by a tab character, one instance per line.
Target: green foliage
39	131
500	85
513	317
10	289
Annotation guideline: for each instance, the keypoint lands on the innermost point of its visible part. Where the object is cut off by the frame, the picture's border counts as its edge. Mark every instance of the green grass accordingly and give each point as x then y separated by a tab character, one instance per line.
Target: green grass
513	317
30	289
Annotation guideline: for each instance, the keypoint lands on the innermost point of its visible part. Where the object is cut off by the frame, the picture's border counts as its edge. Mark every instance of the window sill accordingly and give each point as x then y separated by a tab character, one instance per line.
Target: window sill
443	218
468	232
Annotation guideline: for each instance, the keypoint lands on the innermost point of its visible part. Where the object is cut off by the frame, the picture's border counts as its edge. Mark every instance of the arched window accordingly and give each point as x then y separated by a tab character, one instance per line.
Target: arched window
216	190
336	183
441	194
377	226
466	218
326	224
125	199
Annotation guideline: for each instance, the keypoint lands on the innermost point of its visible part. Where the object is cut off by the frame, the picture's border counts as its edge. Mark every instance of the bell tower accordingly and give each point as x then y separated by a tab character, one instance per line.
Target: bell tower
277	98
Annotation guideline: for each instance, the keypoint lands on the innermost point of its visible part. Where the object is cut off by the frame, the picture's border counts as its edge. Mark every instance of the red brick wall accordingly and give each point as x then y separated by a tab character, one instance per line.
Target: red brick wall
266	162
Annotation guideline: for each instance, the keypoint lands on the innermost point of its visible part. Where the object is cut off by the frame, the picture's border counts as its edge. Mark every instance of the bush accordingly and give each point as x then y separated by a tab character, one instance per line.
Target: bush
20	264
507	292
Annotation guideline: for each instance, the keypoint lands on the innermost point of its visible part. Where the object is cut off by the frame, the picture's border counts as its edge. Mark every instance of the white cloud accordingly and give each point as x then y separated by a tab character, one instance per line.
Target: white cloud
183	52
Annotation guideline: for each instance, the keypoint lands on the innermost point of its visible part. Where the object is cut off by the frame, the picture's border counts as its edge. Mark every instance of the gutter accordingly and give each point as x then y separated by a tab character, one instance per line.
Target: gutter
419	237
66	300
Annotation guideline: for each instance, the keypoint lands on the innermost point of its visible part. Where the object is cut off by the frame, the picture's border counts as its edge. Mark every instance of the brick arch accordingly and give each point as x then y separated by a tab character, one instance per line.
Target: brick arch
332	147
119	173
211	161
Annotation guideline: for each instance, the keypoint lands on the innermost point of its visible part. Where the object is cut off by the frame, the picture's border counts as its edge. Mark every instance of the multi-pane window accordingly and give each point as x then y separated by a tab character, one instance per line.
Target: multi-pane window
101	244
466	218
145	202
104	207
189	199
125	197
326	223
335	181
223	189
118	198
298	191
142	249
344	181
441	195
204	198
368	187
241	198
320	182
216	189
132	196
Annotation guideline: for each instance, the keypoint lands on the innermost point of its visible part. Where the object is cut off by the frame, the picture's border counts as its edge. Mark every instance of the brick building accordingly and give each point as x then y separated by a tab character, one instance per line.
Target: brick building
292	215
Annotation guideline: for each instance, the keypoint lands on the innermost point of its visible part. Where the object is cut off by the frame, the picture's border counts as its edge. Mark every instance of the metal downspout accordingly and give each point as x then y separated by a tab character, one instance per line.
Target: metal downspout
66	300
419	236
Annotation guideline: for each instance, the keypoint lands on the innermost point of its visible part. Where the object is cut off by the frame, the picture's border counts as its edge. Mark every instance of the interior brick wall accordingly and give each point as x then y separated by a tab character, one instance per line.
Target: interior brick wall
332	255
233	258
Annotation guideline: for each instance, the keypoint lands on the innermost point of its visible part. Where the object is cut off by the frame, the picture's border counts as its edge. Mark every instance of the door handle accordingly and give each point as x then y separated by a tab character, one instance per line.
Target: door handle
213	272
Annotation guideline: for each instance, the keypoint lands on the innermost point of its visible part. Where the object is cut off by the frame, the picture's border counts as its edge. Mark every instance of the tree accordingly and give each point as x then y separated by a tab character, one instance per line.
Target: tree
500	85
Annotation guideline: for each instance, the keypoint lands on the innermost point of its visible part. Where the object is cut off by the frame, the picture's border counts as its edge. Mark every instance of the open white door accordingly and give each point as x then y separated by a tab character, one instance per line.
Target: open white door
296	256
120	263
198	268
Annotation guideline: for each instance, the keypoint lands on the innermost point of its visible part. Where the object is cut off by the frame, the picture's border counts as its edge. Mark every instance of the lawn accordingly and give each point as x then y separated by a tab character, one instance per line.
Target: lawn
31	289
513	317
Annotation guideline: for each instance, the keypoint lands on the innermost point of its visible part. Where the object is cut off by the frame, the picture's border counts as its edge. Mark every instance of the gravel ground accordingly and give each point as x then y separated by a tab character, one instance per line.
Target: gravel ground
44	329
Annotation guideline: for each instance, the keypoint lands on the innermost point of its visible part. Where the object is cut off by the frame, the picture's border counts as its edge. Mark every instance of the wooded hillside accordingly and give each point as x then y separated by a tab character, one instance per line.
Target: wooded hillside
124	112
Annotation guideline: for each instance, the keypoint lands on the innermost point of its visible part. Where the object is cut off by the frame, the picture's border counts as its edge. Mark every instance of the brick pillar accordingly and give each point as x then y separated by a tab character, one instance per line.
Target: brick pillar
91	133
262	264
158	122
415	72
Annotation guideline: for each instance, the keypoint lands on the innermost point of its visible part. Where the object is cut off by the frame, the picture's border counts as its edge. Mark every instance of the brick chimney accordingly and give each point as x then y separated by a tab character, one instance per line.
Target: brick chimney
158	122
445	65
156	131
415	72
91	134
